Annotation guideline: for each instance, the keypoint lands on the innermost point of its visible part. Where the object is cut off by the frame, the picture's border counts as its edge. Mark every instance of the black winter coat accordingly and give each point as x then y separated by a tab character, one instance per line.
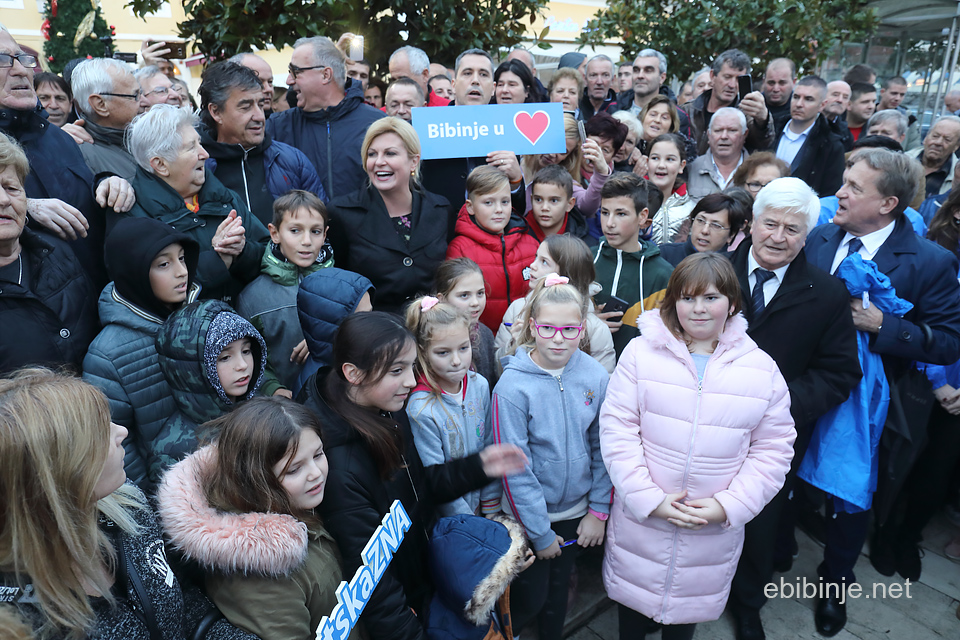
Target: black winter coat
808	331
820	161
53	320
365	240
177	607
57	170
357	499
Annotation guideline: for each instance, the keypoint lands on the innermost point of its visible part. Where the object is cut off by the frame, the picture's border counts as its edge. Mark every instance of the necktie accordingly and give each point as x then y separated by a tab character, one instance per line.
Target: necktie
762	275
854	246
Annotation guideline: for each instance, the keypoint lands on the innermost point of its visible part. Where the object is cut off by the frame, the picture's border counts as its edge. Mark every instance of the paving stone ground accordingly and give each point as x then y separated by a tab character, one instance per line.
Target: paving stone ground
928	614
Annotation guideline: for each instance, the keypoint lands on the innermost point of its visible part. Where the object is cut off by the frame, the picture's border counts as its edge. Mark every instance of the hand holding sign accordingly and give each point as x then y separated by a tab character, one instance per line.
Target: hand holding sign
507	162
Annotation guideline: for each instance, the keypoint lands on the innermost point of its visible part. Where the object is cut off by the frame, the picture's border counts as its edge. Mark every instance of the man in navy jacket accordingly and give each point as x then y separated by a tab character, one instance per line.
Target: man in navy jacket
877	186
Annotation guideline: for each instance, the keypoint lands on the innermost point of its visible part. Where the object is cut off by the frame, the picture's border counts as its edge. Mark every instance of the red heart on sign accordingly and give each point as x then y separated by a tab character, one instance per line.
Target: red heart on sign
531	127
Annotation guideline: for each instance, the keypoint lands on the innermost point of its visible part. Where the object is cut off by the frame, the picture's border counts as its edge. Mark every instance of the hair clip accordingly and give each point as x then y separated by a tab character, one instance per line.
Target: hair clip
555	278
428	302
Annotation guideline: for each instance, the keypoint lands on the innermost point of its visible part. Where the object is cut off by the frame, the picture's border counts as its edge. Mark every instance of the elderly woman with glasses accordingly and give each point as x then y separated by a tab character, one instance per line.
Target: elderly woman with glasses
173	186
47	305
758	170
714	223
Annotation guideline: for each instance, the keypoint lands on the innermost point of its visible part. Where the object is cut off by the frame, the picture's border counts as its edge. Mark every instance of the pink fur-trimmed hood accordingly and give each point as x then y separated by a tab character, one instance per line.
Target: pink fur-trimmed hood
268	544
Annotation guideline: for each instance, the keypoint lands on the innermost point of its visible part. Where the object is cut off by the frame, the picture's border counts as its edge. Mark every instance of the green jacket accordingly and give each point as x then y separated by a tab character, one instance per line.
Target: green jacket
190	370
640	278
270	304
269	573
157	200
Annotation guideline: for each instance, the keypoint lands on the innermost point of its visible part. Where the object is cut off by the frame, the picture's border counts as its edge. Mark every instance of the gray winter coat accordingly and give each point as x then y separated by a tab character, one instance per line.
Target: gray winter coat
122	362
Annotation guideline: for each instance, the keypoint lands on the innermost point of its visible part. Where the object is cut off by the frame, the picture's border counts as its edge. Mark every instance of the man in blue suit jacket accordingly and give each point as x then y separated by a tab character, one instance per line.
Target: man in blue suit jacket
877	186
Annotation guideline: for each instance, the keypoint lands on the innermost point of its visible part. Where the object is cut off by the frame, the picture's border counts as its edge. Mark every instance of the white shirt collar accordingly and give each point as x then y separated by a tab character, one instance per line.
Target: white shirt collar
789	134
753	265
873	240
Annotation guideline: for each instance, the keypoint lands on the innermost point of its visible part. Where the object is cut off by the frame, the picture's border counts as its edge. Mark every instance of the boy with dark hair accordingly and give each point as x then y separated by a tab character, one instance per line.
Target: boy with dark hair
628	267
553	206
297	248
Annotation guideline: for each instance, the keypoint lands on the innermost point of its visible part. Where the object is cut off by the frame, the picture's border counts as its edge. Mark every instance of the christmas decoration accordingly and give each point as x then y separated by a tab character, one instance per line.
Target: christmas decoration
77	26
45	29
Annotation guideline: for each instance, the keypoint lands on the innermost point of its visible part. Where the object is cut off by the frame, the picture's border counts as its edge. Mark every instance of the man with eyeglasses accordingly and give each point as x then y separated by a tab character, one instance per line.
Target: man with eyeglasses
156	88
800	315
62	195
330	119
108	97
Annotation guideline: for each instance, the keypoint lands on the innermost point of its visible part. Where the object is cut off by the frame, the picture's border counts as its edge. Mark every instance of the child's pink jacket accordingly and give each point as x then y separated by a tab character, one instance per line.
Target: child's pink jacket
663	431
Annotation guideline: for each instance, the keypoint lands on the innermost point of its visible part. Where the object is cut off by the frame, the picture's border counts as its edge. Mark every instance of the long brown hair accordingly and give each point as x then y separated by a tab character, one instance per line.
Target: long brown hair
692	277
371	342
54	440
424	325
943	229
250	441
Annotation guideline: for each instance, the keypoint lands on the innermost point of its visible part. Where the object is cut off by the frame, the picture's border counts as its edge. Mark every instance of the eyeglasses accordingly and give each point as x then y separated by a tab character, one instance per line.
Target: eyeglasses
714	226
547	331
295	70
756	186
130	96
159	91
27	60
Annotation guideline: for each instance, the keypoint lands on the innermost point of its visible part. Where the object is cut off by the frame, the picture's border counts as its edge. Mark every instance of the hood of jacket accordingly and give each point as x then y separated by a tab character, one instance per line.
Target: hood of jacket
129	251
473	560
267	544
352	98
224	151
287	274
105	135
733	340
647	250
324	299
115	309
188	344
467	226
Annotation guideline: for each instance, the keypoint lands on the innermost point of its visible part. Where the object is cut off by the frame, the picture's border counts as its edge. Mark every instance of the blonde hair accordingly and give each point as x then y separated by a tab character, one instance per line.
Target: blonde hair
406	133
424	325
12	155
554	294
572	162
485	180
54	439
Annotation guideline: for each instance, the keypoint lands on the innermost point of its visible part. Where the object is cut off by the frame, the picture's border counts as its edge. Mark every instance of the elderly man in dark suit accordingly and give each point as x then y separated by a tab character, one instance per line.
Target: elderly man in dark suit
877	186
800	315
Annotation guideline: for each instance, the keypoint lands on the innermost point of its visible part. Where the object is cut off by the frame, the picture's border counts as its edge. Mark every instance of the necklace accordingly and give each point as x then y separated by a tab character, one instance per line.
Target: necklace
20	274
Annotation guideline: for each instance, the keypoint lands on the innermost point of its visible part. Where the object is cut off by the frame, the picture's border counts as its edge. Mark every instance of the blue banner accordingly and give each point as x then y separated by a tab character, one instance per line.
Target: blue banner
469	132
353	596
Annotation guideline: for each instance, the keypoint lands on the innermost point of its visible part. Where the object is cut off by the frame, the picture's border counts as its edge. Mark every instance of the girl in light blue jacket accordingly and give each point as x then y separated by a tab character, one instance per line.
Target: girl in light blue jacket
449	409
548	403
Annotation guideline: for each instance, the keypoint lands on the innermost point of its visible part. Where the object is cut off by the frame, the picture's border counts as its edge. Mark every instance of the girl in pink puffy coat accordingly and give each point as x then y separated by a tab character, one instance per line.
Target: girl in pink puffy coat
697	437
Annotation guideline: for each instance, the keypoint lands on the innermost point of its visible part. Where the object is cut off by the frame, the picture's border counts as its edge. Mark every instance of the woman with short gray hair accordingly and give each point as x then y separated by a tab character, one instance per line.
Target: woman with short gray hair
172	186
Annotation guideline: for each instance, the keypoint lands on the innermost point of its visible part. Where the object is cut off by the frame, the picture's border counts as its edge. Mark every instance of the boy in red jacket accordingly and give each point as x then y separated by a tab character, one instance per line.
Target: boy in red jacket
489	233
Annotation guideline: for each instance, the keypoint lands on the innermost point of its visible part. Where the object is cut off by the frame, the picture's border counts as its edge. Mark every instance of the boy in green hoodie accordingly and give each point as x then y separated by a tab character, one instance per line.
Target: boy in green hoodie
628	267
296	249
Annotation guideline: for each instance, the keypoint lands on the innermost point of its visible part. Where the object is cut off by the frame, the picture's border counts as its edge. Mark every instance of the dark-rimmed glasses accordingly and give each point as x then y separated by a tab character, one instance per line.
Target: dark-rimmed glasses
130	96
295	70
27	60
548	331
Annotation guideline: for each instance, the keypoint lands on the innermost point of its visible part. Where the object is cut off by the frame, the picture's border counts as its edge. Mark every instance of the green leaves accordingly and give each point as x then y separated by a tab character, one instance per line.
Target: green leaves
442	28
691	33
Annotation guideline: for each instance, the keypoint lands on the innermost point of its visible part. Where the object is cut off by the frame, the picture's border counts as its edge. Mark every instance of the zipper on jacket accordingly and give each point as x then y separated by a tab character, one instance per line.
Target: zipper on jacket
616	273
683	487
640	281
503	261
330	193
243	172
566	458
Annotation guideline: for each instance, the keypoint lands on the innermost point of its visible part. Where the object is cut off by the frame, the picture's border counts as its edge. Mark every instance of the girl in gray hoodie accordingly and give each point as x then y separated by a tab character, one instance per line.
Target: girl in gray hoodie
548	403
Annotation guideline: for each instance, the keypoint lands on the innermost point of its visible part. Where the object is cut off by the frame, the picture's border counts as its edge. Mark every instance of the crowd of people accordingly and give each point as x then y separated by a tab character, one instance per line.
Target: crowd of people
236	334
